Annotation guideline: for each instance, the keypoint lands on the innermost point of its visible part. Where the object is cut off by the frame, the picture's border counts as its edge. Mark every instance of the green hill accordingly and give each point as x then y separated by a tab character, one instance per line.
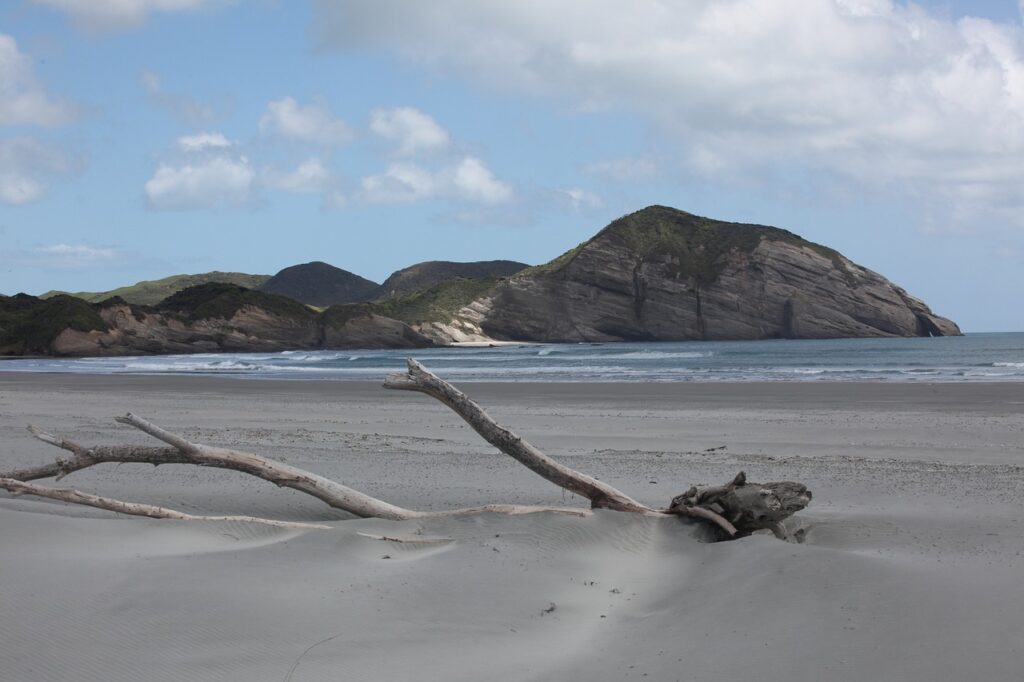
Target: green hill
320	284
151	292
423	276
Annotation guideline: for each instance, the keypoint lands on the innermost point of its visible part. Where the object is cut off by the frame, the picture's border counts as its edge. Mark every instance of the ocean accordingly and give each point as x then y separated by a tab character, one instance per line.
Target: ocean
974	357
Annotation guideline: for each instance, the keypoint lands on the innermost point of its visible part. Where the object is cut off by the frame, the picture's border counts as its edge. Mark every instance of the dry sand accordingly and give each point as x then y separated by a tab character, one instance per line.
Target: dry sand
912	568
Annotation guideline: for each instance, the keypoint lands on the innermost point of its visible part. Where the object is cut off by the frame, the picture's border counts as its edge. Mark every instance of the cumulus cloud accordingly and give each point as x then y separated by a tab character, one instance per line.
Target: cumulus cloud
309	176
203	141
400	183
312	124
410	129
26	166
204	183
473	181
113	15
186	109
881	92
469	180
22	99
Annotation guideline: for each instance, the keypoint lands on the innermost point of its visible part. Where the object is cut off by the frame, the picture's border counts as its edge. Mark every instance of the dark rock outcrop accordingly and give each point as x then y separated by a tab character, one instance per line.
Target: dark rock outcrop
430	273
320	284
661	274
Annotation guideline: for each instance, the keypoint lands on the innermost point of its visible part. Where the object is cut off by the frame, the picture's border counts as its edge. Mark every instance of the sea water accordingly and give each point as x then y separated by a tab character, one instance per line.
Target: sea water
974	357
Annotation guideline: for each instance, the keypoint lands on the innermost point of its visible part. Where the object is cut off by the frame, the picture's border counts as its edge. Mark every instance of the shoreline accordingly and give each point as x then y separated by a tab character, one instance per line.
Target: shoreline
823	393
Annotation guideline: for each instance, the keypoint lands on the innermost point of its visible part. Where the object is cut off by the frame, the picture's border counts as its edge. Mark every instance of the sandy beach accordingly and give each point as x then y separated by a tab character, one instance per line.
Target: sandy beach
911	569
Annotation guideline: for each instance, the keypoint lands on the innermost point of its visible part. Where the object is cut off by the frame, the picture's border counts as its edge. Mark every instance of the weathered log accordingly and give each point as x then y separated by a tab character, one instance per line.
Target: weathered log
748	507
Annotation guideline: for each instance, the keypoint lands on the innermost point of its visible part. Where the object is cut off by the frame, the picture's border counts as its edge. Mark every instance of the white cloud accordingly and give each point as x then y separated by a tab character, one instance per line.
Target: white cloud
309	176
469	180
207	183
473	181
192	112
311	124
26	165
579	198
400	183
22	99
624	169
76	253
880	92
112	15
411	129
203	141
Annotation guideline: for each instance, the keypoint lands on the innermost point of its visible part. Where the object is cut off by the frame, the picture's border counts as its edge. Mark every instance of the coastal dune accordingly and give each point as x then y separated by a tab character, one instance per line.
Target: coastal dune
910	568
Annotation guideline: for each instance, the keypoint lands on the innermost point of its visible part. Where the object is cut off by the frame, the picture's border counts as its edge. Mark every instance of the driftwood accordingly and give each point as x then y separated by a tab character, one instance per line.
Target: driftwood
134	508
734	510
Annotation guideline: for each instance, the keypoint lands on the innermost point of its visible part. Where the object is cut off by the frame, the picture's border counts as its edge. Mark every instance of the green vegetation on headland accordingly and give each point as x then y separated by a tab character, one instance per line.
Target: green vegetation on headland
337	316
151	292
28	325
694	246
221	301
430	273
439	303
698	247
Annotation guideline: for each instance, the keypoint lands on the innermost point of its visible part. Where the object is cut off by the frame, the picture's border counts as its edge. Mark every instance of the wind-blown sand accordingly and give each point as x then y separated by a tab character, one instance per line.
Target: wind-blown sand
912	568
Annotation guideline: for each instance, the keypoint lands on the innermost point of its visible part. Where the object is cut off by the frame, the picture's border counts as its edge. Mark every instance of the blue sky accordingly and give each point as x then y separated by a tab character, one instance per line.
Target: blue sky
143	138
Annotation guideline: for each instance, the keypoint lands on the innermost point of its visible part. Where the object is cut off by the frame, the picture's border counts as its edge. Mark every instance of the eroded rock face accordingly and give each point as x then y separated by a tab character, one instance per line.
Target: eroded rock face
373	331
139	332
134	330
665	275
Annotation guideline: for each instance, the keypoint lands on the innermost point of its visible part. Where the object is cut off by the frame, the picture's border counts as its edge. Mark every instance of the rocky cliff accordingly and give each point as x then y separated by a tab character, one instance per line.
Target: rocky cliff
661	274
202	319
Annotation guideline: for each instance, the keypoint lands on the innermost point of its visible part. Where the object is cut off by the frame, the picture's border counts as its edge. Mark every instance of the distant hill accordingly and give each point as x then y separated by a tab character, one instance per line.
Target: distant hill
426	275
151	292
659	274
320	284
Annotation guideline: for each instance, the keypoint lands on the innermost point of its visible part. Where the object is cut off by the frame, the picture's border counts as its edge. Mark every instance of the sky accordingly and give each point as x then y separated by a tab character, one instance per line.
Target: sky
145	138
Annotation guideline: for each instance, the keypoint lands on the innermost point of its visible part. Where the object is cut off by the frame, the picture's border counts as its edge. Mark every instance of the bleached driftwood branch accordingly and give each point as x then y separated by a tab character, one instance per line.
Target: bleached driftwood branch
183	451
135	508
736	509
601	495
